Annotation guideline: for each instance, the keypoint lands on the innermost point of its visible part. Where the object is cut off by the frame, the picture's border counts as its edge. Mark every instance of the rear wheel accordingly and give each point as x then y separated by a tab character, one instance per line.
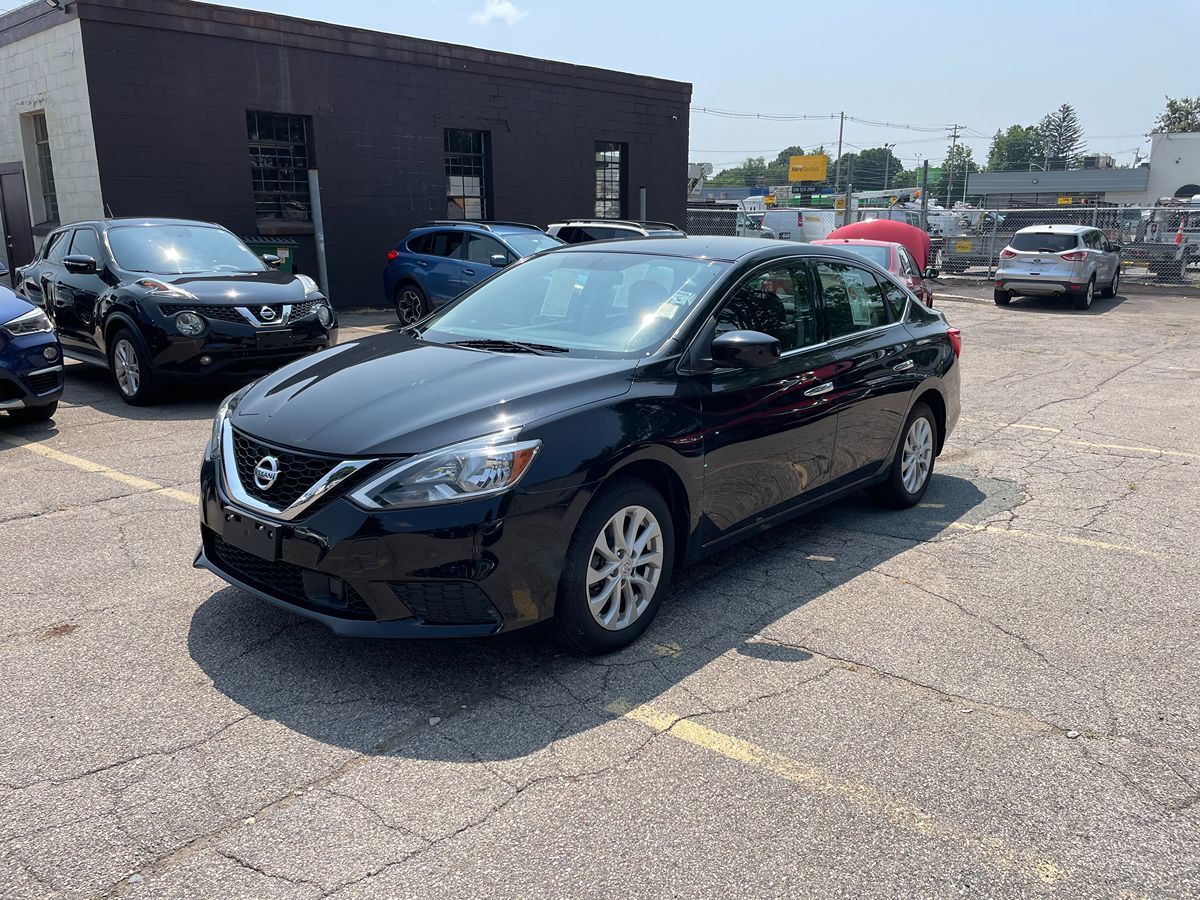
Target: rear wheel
912	467
130	367
617	569
1084	300
411	305
1002	298
34	413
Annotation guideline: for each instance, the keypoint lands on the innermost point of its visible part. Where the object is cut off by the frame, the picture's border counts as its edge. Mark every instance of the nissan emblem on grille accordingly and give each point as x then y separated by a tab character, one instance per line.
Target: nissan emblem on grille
266	472
266	314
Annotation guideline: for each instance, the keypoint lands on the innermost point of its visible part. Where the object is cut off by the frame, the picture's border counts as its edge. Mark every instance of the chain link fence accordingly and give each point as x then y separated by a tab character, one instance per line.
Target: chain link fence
1159	244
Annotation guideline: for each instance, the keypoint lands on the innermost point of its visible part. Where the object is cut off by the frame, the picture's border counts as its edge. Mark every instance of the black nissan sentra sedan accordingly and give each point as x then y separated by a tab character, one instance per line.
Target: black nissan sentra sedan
164	301
557	440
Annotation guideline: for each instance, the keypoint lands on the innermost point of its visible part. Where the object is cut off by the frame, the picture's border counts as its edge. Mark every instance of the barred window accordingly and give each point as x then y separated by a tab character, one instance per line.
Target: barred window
279	156
45	167
467	156
611	160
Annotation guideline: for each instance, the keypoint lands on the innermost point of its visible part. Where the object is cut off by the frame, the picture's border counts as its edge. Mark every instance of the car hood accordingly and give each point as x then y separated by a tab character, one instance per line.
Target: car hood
393	395
11	305
239	288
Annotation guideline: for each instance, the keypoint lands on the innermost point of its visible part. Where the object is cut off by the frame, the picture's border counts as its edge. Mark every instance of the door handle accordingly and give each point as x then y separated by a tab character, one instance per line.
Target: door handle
468	271
904	366
819	389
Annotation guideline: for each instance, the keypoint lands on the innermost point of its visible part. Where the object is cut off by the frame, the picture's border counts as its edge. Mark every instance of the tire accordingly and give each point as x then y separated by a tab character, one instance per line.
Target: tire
1002	298
1113	286
130	367
1084	300
894	490
41	413
411	303
623	611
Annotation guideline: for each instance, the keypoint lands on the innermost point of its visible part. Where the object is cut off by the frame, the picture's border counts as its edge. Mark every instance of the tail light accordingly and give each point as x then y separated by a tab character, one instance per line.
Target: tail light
1074	256
1007	253
392	254
955	341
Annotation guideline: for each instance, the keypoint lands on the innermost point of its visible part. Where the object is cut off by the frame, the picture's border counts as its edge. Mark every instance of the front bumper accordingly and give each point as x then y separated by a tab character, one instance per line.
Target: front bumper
27	377
461	570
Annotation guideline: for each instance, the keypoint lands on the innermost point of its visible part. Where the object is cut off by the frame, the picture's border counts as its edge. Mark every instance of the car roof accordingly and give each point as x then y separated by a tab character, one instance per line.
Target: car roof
1057	229
719	248
861	242
487	226
620	223
131	220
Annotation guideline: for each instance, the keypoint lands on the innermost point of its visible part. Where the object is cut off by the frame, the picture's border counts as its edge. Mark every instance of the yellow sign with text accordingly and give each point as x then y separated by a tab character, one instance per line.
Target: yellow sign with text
807	168
1065	201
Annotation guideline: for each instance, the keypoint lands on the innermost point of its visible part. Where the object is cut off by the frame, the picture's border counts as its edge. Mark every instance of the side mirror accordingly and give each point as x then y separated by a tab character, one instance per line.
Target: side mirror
744	350
78	264
272	260
1114	248
498	260
931	273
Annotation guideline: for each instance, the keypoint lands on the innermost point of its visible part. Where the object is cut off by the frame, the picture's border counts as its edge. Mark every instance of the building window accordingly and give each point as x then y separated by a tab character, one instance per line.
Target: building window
45	168
468	169
279	157
611	161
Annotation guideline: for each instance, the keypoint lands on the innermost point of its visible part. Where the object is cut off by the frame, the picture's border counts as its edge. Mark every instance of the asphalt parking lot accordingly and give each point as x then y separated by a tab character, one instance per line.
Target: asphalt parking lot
993	694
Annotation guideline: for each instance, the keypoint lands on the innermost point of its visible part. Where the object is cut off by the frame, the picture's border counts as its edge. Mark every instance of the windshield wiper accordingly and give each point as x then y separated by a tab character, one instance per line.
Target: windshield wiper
502	346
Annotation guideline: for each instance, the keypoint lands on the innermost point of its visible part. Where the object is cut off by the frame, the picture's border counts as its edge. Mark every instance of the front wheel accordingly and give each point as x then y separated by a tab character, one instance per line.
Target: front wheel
912	466
1084	300
1114	285
617	569
411	305
130	367
34	413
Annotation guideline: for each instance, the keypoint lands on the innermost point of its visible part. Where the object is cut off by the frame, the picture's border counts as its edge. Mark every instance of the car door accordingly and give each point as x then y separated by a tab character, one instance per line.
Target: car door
33	285
442	269
76	293
872	354
768	432
49	274
1107	260
478	259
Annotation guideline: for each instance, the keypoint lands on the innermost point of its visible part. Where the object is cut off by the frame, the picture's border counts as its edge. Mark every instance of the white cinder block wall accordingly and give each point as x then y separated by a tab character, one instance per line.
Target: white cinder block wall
46	72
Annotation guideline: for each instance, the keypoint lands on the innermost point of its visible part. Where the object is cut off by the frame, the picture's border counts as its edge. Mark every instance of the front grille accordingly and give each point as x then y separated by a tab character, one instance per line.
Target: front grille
287	582
224	313
297	472
446	602
303	308
45	382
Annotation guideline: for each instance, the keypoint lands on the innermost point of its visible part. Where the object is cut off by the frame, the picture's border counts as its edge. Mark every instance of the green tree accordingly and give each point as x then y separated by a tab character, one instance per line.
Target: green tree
957	165
1062	137
1015	148
748	174
1181	114
875	165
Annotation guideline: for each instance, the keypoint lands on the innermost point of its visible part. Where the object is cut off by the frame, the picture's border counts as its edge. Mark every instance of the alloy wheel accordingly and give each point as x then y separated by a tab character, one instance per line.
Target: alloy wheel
625	567
918	455
409	307
125	368
1091	290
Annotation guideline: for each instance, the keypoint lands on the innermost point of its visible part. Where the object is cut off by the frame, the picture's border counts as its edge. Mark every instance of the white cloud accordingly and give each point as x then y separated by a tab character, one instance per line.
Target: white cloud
498	11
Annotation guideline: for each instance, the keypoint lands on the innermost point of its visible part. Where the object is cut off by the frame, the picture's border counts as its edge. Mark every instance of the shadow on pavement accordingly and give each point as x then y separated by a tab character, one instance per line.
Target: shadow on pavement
1061	306
510	696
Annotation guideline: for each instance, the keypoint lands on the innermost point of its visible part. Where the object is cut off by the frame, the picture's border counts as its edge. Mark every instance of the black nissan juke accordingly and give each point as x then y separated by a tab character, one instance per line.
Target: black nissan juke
160	301
558	439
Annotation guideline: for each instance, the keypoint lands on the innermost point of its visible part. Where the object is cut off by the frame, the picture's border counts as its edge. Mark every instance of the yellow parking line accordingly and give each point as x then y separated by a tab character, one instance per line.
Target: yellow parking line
1055	538
95	468
1137	448
901	812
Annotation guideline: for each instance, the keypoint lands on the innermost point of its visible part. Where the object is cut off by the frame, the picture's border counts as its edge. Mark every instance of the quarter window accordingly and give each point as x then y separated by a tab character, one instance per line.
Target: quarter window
85	244
611	162
467	159
778	302
279	159
852	299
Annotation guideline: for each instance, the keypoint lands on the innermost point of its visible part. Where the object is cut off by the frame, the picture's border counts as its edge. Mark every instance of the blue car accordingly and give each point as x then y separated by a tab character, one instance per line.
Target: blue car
437	262
31	365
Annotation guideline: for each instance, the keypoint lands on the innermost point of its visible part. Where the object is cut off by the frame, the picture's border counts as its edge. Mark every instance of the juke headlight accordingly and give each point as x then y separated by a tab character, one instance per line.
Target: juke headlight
33	322
228	405
189	324
477	468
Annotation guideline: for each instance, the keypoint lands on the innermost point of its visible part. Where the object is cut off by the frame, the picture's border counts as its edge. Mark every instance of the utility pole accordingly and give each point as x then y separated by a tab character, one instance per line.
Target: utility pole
837	165
950	157
925	196
887	162
849	191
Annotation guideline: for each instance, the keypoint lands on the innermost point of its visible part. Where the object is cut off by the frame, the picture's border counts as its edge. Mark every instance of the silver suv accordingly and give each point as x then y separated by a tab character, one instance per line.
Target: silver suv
1053	260
579	231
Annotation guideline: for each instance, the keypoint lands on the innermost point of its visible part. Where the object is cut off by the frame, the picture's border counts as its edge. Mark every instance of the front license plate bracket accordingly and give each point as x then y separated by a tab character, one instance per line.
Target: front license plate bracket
274	340
251	534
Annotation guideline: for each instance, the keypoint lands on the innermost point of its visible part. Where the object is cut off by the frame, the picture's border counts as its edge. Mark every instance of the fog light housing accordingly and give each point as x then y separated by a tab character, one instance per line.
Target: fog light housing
189	324
51	353
324	315
206	360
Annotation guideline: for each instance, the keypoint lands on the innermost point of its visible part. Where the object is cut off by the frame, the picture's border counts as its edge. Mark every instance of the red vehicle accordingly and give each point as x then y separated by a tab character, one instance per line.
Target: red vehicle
895	258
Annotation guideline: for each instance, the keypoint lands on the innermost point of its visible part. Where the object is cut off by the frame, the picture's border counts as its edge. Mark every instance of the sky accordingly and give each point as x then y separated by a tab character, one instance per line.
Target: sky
924	63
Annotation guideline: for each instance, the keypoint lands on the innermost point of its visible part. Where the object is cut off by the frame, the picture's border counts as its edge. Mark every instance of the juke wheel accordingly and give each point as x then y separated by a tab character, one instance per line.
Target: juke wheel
617	569
130	369
912	467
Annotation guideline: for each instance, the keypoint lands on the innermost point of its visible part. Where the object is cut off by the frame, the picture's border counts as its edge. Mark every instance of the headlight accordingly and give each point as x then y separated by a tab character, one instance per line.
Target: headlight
324	315
476	468
189	324
310	287
228	405
163	291
33	322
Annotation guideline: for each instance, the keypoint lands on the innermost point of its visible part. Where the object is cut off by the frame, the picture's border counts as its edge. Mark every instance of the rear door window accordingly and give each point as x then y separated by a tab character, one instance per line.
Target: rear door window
852	299
1043	242
448	243
896	297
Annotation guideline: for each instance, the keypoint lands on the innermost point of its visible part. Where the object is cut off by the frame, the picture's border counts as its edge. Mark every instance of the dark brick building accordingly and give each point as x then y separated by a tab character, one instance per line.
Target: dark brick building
215	113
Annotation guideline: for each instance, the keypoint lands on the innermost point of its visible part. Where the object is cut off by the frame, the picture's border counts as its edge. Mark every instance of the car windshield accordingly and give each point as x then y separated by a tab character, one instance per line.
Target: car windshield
881	256
597	304
180	250
1042	242
527	243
